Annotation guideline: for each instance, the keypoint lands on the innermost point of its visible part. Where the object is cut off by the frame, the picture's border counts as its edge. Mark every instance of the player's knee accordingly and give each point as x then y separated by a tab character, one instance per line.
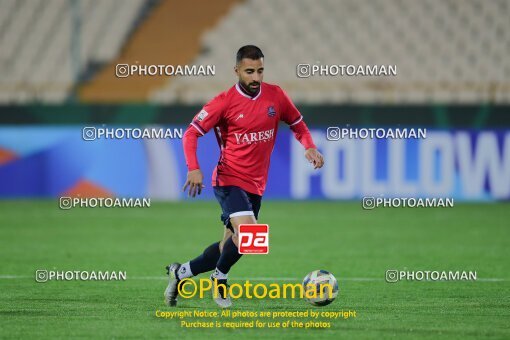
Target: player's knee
236	222
227	234
234	235
222	243
235	239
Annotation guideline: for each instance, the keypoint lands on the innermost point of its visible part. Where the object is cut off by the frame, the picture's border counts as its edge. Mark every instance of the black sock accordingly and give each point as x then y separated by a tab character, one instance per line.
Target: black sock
207	260
229	256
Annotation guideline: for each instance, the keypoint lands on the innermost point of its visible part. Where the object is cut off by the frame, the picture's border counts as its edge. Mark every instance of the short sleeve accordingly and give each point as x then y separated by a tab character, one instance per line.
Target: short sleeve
290	114
210	114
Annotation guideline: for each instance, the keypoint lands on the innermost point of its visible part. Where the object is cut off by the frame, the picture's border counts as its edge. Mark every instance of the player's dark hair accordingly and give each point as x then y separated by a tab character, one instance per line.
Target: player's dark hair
250	52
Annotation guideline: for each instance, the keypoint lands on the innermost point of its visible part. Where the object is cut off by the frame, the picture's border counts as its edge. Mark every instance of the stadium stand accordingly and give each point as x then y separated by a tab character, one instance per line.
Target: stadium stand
444	50
170	35
41	58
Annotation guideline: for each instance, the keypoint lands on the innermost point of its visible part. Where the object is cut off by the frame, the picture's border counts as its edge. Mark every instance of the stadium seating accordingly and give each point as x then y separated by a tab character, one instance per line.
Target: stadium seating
168	35
47	43
445	51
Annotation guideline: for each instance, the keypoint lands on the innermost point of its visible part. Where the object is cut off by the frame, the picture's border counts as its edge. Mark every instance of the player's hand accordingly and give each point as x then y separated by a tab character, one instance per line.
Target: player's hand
194	181
313	156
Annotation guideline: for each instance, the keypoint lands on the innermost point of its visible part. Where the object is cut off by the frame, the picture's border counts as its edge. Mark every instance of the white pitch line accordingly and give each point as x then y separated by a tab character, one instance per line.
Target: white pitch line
489	279
15	277
355	279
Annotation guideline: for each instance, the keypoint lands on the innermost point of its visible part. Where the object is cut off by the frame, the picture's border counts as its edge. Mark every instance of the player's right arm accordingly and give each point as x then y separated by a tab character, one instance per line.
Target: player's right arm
205	120
195	178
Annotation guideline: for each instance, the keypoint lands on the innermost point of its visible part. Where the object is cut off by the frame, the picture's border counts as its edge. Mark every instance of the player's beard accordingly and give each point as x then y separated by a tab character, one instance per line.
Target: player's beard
249	89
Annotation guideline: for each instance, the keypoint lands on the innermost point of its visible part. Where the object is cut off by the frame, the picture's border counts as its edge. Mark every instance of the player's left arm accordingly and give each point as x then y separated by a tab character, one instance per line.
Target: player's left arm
292	116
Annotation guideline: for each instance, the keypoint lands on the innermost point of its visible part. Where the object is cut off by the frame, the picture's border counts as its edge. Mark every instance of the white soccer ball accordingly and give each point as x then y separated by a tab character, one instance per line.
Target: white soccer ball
320	288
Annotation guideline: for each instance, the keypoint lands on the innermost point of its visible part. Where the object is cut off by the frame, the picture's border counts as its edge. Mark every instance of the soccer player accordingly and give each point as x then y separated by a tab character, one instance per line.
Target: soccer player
245	120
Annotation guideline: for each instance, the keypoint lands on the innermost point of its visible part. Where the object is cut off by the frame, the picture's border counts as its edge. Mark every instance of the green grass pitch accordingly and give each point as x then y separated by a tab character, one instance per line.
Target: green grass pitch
357	246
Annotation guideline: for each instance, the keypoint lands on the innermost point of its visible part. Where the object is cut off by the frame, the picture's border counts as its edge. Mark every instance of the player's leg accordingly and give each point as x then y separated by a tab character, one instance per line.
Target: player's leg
206	261
226	235
203	263
241	208
230	254
255	201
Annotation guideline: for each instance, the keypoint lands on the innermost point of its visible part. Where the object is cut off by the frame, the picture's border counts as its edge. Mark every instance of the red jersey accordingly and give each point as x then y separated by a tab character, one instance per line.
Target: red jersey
245	128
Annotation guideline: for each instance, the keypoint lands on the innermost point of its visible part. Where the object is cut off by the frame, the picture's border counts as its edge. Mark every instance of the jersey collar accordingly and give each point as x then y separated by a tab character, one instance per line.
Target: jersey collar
241	92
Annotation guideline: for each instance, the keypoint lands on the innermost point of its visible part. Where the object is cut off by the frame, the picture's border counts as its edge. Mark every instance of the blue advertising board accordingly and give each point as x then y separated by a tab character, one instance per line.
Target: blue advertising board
47	161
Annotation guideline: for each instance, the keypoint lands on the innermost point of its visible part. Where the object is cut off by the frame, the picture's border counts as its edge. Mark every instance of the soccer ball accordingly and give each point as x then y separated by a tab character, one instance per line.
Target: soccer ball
323	282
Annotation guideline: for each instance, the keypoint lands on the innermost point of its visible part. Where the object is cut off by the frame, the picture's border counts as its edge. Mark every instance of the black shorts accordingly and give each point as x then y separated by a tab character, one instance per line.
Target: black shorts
235	201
